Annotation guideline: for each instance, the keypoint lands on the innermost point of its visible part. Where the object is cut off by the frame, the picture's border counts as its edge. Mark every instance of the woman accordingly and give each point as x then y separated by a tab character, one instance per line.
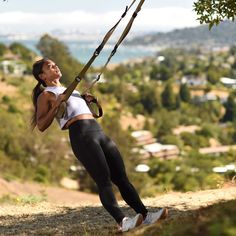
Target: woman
97	152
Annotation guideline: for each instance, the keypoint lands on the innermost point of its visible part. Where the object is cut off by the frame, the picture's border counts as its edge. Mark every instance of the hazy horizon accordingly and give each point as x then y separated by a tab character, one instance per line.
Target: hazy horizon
24	16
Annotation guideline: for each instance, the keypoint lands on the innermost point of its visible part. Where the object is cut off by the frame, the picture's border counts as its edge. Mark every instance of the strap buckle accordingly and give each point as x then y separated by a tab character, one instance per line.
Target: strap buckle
78	79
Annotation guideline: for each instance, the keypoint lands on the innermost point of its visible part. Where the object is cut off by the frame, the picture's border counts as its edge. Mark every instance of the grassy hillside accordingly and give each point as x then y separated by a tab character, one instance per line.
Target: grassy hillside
153	89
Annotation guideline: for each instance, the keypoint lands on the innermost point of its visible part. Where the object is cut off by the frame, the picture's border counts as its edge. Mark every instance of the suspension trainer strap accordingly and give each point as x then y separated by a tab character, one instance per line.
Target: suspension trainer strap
81	75
122	37
98	112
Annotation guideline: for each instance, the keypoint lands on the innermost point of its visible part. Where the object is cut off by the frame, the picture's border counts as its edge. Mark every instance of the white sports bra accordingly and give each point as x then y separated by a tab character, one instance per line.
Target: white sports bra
76	105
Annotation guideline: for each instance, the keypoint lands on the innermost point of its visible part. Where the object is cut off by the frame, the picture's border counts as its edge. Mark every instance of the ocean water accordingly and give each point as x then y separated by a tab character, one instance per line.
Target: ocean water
83	50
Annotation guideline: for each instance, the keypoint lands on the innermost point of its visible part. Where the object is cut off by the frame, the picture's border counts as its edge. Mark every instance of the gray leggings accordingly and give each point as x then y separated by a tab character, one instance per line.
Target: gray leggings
101	158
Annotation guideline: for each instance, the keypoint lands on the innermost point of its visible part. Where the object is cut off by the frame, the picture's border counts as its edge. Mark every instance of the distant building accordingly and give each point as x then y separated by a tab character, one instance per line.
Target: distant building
148	147
161	151
143	137
189	128
228	82
12	67
92	76
216	150
194	80
199	96
205	98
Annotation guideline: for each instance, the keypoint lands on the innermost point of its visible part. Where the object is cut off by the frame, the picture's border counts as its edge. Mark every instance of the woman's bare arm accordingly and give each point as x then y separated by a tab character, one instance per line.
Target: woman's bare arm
47	106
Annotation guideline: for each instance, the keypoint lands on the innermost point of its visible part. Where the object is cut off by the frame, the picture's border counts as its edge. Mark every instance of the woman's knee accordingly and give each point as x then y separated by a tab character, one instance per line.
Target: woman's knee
103	183
120	181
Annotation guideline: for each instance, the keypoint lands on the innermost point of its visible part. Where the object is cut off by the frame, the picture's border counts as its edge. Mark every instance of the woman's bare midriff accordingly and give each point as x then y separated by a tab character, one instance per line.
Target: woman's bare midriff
79	117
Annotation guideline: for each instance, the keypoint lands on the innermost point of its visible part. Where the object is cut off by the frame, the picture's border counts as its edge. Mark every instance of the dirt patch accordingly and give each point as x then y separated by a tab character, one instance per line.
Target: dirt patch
92	219
55	195
6	89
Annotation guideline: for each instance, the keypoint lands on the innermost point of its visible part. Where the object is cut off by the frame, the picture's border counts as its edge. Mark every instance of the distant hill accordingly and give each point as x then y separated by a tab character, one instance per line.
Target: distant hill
221	35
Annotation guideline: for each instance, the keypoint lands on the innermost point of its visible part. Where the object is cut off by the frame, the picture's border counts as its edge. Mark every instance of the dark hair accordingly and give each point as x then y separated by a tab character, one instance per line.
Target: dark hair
38	89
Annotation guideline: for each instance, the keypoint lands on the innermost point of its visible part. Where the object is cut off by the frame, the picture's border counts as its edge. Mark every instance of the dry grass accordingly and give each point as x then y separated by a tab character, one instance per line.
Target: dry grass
51	219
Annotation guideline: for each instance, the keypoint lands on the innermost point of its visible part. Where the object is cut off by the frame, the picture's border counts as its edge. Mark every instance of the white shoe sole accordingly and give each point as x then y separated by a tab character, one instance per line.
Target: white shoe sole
138	221
163	215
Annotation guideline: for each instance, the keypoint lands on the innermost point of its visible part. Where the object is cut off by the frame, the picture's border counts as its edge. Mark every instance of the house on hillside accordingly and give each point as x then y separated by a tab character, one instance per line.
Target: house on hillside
205	98
162	151
12	67
189	128
143	137
147	147
92	76
194	80
216	150
199	96
228	82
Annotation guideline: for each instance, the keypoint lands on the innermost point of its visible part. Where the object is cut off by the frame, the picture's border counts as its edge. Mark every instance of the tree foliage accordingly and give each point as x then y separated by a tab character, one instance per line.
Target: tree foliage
25	55
212	12
184	93
149	98
230	106
160	72
22	51
3	49
168	97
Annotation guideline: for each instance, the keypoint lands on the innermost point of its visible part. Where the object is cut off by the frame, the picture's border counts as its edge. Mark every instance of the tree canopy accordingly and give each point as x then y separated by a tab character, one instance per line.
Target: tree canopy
212	12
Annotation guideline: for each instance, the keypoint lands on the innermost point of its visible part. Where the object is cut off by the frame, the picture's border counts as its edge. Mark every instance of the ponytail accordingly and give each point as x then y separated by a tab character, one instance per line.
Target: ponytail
38	89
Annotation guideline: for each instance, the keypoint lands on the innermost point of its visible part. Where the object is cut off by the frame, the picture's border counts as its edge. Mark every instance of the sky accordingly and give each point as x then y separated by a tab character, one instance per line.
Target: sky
40	16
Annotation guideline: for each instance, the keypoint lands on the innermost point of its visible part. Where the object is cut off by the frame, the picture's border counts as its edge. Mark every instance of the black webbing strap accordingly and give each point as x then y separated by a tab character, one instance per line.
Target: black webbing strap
122	37
82	73
98	106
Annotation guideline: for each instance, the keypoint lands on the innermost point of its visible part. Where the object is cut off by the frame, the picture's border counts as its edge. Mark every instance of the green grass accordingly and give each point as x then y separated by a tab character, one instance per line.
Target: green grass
22	200
216	220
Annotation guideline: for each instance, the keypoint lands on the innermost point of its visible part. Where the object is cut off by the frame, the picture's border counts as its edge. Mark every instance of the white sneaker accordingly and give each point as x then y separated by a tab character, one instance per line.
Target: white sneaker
130	223
153	217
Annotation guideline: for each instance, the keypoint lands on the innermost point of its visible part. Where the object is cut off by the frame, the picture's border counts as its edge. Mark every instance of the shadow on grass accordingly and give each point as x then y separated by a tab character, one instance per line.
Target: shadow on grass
215	220
96	221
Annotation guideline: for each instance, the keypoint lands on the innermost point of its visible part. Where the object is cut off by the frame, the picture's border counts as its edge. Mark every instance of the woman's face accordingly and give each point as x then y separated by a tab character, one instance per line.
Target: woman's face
50	71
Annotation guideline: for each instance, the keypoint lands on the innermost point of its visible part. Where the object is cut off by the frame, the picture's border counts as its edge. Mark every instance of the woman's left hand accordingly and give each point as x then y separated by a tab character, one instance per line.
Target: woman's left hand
88	97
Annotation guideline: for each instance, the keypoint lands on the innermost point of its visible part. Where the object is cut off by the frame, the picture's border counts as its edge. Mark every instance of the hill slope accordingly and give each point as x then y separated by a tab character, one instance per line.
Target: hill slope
91	219
222	35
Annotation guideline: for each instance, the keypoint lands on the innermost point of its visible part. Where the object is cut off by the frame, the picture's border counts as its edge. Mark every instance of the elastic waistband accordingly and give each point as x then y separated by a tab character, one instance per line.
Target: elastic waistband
84	126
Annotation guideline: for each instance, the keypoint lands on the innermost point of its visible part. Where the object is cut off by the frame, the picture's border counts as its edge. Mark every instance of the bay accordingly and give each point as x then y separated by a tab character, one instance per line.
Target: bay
83	50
